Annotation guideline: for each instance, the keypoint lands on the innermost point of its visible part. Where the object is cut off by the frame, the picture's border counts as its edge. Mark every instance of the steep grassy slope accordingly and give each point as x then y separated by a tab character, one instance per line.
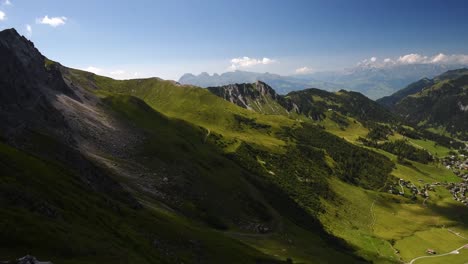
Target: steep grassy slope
195	105
390	101
47	210
315	102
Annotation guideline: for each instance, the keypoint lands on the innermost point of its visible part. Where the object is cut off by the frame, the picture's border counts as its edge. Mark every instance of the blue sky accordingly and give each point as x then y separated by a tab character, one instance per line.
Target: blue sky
125	39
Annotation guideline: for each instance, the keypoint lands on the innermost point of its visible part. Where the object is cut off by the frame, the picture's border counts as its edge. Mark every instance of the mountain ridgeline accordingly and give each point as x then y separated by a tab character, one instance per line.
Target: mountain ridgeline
440	103
282	84
96	170
312	102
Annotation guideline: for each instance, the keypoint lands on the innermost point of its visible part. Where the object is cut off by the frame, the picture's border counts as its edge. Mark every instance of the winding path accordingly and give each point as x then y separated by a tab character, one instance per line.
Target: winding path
453	252
207	135
456	233
372	224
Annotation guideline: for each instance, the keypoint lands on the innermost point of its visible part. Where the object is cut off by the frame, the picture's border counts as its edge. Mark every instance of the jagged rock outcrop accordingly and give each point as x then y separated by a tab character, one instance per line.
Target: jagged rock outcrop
257	96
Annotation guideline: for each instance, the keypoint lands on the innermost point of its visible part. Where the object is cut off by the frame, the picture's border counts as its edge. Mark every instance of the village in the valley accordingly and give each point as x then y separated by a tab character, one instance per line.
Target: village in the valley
456	162
459	166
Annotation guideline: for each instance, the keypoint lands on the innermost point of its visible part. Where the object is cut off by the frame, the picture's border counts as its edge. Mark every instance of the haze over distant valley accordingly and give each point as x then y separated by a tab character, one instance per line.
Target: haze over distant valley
371	77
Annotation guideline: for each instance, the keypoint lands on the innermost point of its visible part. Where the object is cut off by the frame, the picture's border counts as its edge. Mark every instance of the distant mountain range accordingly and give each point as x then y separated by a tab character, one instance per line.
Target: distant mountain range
372	81
282	84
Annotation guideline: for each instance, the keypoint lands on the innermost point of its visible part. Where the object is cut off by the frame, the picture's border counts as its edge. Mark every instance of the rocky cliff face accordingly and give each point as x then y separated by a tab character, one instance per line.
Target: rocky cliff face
242	94
26	89
256	96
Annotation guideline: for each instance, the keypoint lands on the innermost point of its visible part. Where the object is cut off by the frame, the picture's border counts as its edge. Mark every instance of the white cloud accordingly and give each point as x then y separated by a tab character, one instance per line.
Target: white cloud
436	59
304	70
29	30
368	62
117	72
245	62
2	15
414	58
7	2
93	69
439	58
450	59
52	21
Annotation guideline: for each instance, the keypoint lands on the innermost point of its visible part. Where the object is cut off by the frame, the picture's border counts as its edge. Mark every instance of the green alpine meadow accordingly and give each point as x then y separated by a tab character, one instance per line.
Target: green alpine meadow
104	164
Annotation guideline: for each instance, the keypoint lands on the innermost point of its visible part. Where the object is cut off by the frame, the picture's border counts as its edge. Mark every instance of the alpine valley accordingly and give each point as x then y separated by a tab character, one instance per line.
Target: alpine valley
95	170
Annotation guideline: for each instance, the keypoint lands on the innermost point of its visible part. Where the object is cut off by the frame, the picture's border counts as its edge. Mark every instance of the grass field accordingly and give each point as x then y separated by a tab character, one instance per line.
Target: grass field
431	146
378	224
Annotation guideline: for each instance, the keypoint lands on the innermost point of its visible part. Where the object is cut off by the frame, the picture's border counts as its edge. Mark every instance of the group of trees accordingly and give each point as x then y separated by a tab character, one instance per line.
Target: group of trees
400	147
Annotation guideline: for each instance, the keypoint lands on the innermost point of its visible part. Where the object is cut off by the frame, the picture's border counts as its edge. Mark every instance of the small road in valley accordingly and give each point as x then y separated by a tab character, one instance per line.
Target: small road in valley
453	252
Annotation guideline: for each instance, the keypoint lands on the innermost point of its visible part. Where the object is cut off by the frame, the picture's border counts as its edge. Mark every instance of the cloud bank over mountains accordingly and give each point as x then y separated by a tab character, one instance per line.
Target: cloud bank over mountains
415	58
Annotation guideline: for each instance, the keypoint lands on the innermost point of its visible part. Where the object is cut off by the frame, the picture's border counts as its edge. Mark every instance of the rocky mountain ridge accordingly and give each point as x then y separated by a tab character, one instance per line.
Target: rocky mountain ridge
314	103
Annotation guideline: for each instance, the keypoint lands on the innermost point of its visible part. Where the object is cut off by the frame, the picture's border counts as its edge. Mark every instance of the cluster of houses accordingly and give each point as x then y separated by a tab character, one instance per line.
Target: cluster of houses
457	163
399	189
459	166
459	191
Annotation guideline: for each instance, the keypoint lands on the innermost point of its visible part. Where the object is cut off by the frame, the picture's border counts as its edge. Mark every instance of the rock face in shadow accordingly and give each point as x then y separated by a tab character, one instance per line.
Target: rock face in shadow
31	260
26	89
37	117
